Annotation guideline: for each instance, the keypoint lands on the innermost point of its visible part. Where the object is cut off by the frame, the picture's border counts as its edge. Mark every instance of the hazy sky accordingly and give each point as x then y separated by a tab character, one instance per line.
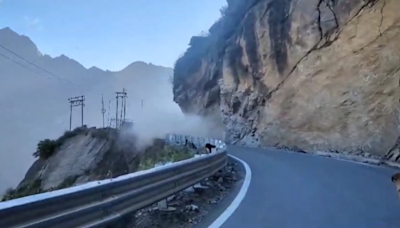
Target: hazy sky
110	34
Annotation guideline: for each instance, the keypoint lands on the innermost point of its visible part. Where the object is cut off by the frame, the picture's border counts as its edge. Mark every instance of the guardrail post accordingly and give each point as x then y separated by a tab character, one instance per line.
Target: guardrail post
163	204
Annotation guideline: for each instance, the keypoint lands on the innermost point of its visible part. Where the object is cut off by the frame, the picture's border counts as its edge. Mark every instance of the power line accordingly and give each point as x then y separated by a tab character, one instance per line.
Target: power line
21	65
33	64
76	101
103	110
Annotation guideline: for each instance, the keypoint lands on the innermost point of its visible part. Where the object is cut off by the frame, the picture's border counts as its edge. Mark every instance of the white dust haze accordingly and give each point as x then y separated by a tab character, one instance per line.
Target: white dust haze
43	115
34	103
159	117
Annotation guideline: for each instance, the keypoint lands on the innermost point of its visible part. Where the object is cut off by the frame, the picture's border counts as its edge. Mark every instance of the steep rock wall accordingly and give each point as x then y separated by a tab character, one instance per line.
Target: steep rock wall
306	74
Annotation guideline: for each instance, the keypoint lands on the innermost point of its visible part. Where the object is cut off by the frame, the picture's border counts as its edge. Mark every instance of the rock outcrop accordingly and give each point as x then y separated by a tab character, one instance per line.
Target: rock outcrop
306	74
90	154
84	155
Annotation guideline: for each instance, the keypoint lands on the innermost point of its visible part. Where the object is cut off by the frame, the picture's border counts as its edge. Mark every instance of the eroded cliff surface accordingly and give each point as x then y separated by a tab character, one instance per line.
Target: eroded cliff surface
89	154
306	74
82	155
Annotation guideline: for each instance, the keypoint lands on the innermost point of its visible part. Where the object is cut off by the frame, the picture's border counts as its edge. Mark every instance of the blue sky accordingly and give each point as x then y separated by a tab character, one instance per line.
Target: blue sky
110	34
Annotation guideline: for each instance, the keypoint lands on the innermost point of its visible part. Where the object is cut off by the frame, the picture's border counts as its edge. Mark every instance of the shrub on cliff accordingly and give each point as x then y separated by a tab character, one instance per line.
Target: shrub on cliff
214	43
211	43
191	59
168	154
70	134
47	147
25	190
159	152
8	194
34	187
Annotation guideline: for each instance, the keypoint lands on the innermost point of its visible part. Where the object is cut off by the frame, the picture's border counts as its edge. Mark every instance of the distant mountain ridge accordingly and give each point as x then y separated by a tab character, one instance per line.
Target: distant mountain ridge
26	48
34	101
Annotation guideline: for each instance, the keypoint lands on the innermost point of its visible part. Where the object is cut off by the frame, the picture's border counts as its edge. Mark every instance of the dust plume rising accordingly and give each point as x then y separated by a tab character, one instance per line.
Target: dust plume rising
156	117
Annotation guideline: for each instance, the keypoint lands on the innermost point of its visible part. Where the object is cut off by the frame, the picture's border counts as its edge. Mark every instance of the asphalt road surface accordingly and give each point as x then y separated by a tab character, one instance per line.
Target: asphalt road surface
290	190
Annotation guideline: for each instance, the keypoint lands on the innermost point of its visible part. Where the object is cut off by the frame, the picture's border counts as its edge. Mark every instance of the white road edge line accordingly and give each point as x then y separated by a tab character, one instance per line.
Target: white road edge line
355	162
238	199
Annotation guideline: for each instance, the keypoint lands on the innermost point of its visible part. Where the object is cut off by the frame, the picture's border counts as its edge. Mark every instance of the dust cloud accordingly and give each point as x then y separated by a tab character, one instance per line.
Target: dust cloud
159	117
150	106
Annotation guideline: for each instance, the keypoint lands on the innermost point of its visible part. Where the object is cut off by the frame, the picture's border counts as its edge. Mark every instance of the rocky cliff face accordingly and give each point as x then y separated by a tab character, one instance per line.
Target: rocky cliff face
306	74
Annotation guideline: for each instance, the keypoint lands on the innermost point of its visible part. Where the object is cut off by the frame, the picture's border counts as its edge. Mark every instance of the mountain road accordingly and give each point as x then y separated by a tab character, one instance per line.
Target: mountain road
296	190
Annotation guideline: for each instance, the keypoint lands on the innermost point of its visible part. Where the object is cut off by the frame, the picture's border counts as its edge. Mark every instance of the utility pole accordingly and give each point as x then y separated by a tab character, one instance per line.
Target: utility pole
116	112
142	103
123	96
74	102
124	99
103	110
109	111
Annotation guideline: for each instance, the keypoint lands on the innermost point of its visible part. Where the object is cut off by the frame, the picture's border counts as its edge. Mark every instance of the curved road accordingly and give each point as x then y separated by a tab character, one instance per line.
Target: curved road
290	190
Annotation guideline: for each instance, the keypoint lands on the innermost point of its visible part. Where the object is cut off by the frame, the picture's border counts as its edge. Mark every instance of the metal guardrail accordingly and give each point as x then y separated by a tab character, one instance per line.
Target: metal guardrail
105	204
197	141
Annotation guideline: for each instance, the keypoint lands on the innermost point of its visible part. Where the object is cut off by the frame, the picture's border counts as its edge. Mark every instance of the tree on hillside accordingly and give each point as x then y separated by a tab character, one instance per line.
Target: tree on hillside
223	9
45	149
